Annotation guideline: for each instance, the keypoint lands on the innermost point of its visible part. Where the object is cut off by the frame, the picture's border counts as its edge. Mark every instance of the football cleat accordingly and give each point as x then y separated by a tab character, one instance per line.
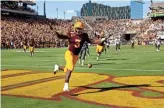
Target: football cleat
97	59
56	68
66	88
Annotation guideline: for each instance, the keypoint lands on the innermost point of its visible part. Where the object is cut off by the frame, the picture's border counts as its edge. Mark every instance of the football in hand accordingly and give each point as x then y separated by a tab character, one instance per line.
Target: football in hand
89	65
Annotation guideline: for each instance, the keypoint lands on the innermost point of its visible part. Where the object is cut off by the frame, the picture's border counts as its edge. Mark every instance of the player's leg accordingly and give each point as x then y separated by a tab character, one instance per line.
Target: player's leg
88	52
100	49
57	68
156	46
105	49
24	48
116	47
132	46
32	51
67	77
97	51
68	69
83	57
80	56
119	47
68	57
85	54
30	48
98	55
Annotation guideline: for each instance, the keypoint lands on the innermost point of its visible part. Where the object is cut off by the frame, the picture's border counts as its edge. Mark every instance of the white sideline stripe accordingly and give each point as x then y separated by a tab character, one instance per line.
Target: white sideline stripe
43	66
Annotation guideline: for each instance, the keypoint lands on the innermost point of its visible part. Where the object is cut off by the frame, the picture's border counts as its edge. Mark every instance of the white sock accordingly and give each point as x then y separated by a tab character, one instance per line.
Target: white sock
82	63
66	85
56	67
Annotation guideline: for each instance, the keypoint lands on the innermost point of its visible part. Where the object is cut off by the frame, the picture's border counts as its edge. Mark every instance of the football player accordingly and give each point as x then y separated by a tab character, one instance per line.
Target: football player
76	41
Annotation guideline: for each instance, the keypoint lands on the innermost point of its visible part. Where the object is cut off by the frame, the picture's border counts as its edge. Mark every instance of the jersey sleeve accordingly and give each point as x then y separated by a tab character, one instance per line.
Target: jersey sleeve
62	36
69	34
87	38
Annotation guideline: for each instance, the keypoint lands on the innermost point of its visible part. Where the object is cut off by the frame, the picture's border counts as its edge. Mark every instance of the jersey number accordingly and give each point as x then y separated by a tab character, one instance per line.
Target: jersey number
77	44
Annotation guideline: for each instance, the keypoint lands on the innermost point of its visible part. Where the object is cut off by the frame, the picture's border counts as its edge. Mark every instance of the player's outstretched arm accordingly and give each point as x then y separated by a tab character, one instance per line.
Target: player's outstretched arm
97	41
60	36
93	41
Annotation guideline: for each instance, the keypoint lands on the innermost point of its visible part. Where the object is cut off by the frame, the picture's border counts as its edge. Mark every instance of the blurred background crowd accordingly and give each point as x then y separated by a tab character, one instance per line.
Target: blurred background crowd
15	30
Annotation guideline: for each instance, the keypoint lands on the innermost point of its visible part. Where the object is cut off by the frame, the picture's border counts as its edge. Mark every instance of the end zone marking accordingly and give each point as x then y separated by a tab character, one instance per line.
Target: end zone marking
75	90
115	98
9	72
18	74
26	78
141	80
53	87
4	88
115	69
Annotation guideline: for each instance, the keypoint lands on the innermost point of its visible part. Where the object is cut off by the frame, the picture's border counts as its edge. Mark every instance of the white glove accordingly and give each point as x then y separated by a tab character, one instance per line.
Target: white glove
89	44
103	39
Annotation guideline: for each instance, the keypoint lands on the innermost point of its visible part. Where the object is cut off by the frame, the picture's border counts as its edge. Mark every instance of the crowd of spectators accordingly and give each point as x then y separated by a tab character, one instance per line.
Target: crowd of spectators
150	28
14	31
145	30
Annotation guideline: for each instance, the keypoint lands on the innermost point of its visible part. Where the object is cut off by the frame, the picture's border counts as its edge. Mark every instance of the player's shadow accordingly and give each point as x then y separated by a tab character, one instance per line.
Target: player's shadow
103	89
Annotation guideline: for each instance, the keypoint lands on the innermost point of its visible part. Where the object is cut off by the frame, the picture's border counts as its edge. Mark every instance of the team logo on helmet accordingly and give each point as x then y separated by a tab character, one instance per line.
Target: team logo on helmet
79	25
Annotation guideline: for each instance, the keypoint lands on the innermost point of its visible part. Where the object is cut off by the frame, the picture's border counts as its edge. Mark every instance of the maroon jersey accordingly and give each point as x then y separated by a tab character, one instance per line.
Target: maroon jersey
76	42
25	42
102	43
32	43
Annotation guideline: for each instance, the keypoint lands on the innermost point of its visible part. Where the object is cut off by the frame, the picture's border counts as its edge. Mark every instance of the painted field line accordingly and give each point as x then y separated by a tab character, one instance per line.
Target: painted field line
48	67
17	74
38	81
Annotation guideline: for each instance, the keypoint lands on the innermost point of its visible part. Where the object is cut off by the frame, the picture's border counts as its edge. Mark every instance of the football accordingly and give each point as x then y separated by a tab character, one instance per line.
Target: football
89	65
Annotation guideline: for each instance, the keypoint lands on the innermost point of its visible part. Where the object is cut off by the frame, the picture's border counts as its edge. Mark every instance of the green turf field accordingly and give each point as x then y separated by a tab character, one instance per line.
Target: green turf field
140	61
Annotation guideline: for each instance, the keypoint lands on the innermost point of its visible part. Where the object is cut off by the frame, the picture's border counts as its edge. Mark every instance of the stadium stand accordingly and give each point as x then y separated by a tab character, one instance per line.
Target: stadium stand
16	29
